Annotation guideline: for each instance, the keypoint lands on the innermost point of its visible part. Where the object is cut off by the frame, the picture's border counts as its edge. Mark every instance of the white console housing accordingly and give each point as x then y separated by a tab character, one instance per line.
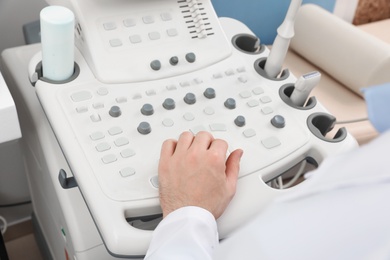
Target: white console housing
9	122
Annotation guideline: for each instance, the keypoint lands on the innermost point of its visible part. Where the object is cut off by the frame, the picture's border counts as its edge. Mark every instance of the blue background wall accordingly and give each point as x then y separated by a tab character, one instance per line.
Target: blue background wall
263	17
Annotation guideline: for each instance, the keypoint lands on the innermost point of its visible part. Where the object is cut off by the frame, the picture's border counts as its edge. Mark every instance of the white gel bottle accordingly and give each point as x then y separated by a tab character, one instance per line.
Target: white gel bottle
57	38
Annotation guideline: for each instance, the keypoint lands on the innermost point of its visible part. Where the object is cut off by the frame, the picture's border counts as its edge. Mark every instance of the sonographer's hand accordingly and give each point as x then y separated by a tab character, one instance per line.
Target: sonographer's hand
193	171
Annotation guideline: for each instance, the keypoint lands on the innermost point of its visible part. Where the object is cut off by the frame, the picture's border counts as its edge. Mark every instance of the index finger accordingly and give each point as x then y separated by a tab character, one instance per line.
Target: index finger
167	149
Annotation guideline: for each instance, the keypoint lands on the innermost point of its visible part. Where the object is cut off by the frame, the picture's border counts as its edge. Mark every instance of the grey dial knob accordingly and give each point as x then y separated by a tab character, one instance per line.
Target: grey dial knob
115	111
169	104
174	60
230	103
190	57
190	98
147	110
209	93
155	65
278	121
239	121
144	128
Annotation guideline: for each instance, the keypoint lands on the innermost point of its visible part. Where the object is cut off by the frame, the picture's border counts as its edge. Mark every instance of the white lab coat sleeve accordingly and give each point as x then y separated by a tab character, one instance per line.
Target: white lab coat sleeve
187	233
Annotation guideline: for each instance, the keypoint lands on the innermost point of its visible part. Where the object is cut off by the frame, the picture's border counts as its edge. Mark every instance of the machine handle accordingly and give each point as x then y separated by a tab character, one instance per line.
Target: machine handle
66	182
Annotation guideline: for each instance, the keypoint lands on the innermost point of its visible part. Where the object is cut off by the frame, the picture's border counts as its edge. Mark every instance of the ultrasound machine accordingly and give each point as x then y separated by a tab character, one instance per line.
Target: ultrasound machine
133	73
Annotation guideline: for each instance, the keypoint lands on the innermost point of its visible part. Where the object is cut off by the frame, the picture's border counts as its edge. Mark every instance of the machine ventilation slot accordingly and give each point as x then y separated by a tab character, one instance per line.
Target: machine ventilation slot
195	16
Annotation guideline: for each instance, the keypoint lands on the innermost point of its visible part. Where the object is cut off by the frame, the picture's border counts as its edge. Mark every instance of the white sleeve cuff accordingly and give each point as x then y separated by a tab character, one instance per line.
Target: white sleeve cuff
187	233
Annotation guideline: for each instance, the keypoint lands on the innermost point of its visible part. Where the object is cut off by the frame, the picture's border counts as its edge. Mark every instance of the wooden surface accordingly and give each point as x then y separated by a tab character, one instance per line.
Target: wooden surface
371	11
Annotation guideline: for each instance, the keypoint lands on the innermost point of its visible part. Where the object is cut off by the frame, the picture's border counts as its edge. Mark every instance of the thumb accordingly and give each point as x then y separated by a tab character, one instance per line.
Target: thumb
233	167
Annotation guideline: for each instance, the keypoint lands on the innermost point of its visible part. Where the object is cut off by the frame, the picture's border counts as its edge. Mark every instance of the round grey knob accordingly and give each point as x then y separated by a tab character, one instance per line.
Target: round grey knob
239	121
147	110
174	60
144	128
190	98
209	93
115	111
155	65
190	57
169	104
278	121
230	103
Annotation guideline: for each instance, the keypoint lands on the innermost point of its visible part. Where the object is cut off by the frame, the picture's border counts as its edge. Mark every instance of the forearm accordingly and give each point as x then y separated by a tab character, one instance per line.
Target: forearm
187	233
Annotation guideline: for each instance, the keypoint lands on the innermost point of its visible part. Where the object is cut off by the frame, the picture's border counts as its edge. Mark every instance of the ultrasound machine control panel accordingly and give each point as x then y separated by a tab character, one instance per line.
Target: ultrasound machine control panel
145	71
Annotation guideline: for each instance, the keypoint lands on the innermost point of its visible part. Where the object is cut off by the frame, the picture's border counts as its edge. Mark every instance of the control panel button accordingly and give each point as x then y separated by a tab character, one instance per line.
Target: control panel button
82	109
144	128
154	181
245	94
129	22
172	32
115	111
229	72
230	103
248	133
126	172
166	16
155	65
98	105
154	36
102	91
102	147
189	117
148	19
271	142
185	84
278	121
190	99
110	158
96	136
116	130
109	26
243	79
121	99
239	121
127	153
265	99
209	111
174	60
81	96
253	103
95	117
135	38
190	57
267	110
147	110
167	122
169	104
258	91
121	141
115	42
209	93
198	81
